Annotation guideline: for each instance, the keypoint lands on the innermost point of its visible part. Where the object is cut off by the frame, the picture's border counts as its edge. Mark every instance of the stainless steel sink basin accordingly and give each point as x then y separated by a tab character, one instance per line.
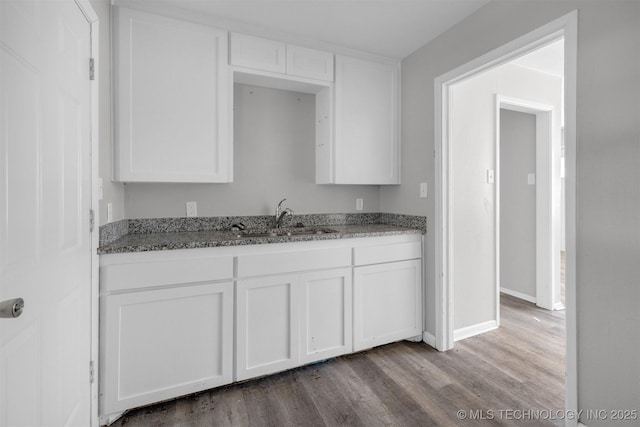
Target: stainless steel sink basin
285	232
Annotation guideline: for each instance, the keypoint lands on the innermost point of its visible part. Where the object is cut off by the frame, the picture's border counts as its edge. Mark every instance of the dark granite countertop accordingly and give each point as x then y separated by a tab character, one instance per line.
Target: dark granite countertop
218	238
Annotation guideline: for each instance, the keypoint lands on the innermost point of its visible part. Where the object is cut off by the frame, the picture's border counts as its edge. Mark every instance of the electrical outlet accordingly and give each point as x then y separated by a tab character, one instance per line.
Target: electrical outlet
192	209
423	190
109	212
359	204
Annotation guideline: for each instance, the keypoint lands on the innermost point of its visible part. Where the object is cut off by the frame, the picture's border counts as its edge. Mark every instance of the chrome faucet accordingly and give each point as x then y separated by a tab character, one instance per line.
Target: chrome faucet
281	213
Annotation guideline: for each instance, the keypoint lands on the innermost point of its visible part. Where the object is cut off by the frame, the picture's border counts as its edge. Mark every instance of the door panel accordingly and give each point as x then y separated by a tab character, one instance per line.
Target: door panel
45	246
267	325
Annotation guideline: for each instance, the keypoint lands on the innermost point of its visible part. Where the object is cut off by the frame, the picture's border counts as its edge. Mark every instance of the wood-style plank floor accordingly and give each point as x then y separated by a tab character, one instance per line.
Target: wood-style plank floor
507	377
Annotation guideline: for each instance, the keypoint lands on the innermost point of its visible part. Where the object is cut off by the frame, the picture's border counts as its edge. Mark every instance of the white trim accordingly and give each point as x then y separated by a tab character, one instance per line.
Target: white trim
92	18
429	339
469	331
566	26
570	108
517	294
559	306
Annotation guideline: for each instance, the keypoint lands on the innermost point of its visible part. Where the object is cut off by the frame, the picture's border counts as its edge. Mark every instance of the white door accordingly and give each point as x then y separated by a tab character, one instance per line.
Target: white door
45	247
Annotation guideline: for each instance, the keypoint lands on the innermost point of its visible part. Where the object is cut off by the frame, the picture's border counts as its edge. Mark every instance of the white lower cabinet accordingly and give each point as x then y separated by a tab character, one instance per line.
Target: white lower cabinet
162	343
288	320
267	326
387	295
168	319
325	315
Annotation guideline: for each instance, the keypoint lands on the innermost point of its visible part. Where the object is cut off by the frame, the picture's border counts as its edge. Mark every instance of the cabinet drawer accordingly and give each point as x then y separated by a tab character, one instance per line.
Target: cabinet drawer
387	253
286	262
125	276
258	53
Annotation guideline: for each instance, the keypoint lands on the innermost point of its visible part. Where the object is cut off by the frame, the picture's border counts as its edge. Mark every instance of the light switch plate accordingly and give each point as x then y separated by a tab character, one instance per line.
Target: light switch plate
359	204
491	176
423	190
531	179
100	189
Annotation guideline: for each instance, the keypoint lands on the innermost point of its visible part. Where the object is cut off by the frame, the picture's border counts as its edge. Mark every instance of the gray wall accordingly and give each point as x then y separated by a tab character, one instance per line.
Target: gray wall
517	202
274	158
608	173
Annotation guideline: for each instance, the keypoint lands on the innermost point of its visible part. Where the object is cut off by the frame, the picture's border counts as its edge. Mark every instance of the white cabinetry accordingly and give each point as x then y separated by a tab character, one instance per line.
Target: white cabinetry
276	57
167	317
387	294
287	319
310	63
267	325
172	100
325	315
258	53
365	148
162	338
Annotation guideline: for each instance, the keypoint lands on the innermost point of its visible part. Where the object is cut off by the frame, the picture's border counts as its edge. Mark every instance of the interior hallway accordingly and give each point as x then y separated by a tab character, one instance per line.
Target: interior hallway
519	366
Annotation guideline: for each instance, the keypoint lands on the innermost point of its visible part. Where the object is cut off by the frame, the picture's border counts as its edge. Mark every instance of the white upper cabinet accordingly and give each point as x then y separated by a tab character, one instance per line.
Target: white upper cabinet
258	53
366	147
172	100
261	54
310	63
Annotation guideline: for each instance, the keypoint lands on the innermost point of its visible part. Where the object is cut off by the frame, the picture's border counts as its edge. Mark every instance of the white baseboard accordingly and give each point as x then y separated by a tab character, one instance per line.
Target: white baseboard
429	339
518	295
469	331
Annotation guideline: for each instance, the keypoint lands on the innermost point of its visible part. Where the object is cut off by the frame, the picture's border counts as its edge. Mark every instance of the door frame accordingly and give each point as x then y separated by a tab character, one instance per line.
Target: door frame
547	221
94	26
567	27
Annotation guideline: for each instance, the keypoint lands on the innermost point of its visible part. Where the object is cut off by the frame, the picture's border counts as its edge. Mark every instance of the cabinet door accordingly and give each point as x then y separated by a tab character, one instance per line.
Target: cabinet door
266	325
258	53
387	303
325	315
366	140
172	100
310	63
165	343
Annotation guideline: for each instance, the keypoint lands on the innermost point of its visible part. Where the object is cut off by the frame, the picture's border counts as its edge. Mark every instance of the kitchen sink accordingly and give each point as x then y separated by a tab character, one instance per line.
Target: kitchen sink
286	232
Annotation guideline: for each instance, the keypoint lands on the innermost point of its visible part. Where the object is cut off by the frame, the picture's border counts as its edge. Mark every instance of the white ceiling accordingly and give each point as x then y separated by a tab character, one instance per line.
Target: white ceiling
548	59
391	28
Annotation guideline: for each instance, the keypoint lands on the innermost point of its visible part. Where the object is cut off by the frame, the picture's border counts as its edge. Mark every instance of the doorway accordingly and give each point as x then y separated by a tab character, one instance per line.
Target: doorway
446	274
528	197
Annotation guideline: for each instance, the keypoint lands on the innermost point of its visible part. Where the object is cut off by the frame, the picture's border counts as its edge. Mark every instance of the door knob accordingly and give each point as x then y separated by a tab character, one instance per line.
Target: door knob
11	308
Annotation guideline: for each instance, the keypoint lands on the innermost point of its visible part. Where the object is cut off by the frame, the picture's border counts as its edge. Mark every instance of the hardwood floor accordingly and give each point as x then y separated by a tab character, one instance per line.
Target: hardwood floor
504	376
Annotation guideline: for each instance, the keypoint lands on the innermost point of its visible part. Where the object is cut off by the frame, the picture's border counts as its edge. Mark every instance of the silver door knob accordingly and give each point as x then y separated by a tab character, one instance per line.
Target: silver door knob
11	308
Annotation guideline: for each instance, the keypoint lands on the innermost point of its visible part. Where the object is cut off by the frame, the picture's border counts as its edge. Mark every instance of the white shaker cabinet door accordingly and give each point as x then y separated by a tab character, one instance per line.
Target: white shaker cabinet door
387	303
172	100
366	143
258	53
164	343
309	63
266	325
326	315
